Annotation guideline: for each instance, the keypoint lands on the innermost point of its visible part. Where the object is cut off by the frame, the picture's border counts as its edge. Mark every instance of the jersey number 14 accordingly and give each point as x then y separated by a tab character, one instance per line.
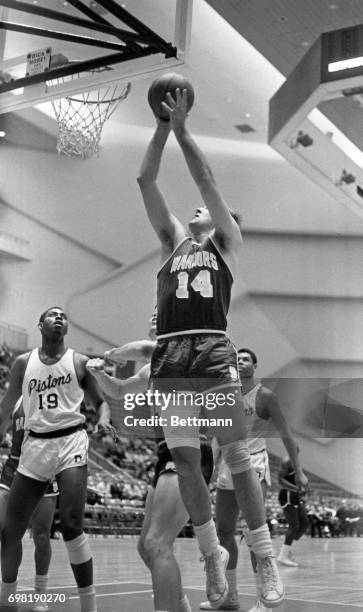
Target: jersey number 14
201	284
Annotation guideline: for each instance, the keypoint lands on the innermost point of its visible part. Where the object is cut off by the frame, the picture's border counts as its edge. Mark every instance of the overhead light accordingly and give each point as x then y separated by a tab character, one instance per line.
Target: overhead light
302	139
347	64
347	177
2	134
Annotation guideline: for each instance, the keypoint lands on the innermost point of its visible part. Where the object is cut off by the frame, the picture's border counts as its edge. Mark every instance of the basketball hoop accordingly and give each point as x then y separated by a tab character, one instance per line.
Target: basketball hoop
81	118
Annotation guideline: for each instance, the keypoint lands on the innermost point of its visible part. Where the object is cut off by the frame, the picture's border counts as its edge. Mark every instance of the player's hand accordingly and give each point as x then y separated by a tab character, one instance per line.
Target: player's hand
301	481
176	108
95	365
104	428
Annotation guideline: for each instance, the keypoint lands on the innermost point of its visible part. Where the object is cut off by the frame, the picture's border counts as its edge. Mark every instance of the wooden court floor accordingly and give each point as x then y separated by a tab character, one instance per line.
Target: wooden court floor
328	579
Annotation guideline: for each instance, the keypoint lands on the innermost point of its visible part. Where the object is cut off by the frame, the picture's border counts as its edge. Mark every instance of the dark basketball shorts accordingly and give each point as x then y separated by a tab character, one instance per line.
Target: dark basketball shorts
194	362
8	473
166	464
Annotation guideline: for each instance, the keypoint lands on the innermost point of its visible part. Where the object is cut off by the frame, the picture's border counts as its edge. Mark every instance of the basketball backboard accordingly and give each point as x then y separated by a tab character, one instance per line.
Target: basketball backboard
54	48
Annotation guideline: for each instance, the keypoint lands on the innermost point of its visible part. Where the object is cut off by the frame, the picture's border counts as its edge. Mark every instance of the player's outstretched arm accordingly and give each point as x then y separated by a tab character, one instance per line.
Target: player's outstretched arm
138	350
279	421
226	229
167	227
117	387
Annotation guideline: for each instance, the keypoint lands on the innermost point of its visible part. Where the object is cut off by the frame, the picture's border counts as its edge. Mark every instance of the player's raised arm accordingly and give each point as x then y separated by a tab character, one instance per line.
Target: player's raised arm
168	228
227	230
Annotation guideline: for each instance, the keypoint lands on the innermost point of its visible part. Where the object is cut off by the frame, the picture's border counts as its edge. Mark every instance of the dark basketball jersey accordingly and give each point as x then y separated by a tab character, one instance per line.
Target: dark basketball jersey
193	289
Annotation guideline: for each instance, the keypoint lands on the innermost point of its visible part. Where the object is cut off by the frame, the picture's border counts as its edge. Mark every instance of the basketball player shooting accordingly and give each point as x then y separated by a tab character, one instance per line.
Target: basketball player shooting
193	351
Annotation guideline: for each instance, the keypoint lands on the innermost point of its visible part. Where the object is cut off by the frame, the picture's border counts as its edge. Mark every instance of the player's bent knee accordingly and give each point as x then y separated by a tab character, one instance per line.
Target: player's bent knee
237	456
78	550
155	547
187	460
41	539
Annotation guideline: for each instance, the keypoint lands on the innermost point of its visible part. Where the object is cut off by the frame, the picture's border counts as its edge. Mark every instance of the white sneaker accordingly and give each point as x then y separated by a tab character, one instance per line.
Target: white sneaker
231	603
272	589
286	559
215	568
40	607
258	607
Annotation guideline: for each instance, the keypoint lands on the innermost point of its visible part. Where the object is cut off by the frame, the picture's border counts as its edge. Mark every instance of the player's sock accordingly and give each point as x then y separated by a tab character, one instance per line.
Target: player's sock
87	596
207	537
41	583
261	541
7	589
231	575
184	605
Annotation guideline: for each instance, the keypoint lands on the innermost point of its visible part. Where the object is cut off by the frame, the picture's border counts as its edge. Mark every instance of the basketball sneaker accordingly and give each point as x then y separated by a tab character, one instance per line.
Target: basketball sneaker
271	587
258	607
285	557
215	569
40	607
231	603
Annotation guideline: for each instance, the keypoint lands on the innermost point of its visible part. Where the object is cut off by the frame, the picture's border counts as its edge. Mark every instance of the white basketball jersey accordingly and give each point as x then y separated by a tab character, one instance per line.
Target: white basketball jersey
52	395
255	426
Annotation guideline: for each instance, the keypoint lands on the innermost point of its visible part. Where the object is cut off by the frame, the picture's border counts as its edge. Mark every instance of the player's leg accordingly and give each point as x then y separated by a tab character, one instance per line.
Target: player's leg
165	516
194	491
24	496
291	514
170	366
227	512
72	484
41	522
250	499
4	494
303	521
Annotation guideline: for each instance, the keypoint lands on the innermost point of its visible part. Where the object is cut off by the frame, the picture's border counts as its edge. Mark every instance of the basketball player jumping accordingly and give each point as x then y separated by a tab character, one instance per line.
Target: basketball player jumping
260	405
42	517
52	380
193	352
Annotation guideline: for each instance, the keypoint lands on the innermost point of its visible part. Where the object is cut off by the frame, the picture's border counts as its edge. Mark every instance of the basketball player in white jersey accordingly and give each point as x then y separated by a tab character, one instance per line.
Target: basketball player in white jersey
52	380
43	515
193	352
165	513
260	405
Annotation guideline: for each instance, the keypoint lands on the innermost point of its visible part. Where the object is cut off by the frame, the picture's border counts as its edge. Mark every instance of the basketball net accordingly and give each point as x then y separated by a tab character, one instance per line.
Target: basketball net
81	119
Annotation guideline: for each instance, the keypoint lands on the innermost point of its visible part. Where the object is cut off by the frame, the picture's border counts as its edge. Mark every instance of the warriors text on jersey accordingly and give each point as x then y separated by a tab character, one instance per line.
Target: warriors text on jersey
194	289
52	395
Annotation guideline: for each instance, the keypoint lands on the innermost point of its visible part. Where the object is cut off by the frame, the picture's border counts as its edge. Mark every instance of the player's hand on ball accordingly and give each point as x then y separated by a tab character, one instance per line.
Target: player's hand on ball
177	108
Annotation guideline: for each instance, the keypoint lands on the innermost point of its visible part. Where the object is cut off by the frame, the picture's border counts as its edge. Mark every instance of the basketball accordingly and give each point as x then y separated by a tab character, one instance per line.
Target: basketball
158	89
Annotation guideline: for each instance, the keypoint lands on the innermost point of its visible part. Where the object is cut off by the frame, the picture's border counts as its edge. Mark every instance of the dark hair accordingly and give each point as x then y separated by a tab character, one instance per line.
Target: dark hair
237	217
44	314
251	353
